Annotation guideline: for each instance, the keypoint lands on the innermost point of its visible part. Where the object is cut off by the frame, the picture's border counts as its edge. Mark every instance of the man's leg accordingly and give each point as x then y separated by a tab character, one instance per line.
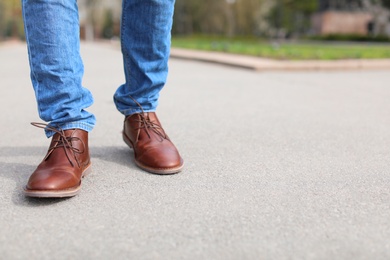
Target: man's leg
52	34
145	38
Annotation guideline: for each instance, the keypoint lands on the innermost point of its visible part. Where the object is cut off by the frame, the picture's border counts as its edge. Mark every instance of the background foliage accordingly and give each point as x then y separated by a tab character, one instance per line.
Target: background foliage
230	18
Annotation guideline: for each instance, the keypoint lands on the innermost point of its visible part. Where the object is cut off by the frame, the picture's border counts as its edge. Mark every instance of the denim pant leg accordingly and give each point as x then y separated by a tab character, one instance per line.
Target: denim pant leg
146	39
52	34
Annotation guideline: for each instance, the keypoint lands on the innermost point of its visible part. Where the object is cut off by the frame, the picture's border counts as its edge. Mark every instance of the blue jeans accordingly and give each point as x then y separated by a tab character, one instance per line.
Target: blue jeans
52	34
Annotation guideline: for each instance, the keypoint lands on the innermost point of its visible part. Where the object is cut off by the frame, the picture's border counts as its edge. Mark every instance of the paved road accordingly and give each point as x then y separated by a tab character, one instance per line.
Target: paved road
279	165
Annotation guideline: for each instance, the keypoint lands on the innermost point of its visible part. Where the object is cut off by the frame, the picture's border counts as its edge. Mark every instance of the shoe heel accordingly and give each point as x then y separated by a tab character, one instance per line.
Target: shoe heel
127	141
87	171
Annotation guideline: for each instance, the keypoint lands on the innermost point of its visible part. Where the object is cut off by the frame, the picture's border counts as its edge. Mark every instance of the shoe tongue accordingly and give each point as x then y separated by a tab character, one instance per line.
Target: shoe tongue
66	147
68	138
145	115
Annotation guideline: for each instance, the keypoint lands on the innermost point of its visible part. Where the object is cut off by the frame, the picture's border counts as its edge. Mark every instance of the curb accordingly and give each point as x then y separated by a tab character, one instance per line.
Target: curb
261	64
264	64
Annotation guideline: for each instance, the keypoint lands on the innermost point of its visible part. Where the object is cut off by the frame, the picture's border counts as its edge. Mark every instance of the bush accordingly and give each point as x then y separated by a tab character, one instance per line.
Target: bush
351	37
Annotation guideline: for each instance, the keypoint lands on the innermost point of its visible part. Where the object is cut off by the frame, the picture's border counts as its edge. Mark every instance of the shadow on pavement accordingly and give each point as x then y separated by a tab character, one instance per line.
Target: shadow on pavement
19	172
116	154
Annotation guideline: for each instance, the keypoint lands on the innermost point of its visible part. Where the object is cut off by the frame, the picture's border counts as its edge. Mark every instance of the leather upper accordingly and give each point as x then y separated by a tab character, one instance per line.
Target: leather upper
153	150
64	164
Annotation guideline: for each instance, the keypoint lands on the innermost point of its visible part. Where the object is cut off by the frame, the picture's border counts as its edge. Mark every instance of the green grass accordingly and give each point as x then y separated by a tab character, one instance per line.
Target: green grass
285	51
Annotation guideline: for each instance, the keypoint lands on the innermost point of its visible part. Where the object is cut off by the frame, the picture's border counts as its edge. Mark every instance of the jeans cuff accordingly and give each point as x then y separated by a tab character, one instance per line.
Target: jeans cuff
83	126
129	112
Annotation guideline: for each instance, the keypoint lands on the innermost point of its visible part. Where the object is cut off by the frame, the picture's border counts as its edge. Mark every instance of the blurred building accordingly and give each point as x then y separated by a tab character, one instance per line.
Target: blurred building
342	22
351	17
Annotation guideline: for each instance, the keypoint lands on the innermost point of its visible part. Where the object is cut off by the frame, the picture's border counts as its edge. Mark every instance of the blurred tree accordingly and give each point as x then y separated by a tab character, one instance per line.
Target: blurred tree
90	22
108	24
292	17
2	19
340	4
250	17
386	3
380	16
221	17
351	4
278	18
11	23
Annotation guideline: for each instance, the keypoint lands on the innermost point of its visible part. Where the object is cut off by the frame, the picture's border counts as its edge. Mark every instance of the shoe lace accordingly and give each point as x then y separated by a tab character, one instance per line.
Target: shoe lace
148	125
64	142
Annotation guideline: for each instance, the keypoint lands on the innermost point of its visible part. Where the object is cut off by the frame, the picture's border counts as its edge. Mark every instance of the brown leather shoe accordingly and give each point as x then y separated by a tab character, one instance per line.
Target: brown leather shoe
153	150
60	172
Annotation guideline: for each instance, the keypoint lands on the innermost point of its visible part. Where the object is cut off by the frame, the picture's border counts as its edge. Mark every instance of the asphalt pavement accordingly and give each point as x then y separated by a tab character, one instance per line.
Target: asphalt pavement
278	165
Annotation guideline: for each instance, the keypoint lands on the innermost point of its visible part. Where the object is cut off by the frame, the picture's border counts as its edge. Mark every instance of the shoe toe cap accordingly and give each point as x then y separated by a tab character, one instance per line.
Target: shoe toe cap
54	180
160	160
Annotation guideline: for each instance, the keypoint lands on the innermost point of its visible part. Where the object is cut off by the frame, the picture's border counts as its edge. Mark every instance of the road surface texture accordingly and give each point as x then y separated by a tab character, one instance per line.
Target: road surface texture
278	165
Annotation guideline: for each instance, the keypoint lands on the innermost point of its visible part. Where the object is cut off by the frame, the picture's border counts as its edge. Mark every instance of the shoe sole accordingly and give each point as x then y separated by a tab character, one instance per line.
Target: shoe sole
162	171
57	193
